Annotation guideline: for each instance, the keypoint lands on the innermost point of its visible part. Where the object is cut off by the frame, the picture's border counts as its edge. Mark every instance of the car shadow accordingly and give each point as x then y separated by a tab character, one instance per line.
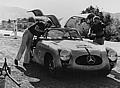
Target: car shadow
67	79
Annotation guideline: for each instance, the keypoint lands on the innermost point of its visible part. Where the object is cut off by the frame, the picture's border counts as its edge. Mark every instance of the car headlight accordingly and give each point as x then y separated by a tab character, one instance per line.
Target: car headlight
65	55
112	55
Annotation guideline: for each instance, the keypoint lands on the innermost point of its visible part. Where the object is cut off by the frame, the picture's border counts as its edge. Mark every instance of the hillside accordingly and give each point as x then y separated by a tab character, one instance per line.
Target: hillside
16	12
13	13
114	15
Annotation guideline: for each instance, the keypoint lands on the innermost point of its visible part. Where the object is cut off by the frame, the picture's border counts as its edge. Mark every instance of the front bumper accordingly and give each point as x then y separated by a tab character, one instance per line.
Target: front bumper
88	68
72	65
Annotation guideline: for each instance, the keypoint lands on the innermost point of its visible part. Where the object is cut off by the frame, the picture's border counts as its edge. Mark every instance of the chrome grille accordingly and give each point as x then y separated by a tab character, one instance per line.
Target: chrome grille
88	60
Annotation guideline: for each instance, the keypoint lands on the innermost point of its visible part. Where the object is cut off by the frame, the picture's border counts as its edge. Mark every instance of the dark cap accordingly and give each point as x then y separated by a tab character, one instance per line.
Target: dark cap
90	16
96	17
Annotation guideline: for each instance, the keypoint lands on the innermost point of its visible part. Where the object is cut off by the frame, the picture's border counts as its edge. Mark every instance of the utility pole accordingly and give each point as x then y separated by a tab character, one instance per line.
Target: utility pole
15	29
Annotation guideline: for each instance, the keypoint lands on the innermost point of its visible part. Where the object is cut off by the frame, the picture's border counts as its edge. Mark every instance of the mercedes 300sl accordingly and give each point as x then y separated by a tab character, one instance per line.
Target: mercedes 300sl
64	48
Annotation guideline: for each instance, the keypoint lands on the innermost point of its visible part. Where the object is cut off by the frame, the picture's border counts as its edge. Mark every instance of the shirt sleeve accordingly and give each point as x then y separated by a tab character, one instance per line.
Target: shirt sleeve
103	25
33	25
91	29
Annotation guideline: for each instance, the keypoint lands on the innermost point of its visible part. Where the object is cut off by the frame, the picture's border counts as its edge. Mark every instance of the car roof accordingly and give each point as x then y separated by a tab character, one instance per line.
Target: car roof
52	18
58	23
65	19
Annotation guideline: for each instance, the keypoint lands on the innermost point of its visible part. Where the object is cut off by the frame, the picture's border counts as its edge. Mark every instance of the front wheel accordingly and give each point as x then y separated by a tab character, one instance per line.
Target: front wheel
49	64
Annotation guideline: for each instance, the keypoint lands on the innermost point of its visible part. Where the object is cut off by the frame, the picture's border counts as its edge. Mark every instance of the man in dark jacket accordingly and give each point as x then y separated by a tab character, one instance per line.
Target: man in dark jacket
36	29
97	30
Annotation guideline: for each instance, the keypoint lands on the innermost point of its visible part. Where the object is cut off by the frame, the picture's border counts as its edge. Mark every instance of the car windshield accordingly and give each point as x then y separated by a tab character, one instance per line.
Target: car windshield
73	22
63	34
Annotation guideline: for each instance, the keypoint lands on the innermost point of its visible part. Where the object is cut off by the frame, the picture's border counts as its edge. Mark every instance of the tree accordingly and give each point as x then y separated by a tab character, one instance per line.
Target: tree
93	10
106	19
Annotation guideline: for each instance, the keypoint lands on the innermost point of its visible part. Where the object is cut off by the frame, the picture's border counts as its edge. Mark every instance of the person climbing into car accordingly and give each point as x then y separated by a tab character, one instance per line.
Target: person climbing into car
37	29
96	30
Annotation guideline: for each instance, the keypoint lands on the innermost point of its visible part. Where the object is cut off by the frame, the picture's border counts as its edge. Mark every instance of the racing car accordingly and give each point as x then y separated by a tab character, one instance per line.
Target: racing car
64	48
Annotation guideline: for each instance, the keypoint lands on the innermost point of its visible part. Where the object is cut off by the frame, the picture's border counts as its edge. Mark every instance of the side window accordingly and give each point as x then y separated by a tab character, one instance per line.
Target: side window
74	34
73	22
66	35
55	34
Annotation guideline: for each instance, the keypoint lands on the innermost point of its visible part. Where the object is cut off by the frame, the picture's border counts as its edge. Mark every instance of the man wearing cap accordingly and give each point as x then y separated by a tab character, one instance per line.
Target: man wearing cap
97	30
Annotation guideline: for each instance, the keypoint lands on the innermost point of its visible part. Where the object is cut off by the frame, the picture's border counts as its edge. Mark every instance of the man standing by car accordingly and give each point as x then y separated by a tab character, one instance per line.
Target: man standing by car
97	30
36	29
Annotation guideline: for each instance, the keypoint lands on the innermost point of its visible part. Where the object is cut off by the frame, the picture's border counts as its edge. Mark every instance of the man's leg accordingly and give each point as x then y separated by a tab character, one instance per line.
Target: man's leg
28	48
22	46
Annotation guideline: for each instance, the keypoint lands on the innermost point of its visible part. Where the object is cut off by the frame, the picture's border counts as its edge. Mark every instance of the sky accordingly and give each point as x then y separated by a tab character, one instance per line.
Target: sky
64	7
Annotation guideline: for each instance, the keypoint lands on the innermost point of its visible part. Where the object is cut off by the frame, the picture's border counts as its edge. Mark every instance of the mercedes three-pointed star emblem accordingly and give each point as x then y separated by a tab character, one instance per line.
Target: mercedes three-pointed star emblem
90	59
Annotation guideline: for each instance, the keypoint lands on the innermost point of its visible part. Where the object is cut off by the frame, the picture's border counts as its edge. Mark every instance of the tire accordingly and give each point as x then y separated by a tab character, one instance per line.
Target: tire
49	64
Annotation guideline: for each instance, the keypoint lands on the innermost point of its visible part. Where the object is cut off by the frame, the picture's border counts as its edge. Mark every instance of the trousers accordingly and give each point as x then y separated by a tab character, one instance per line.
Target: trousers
26	43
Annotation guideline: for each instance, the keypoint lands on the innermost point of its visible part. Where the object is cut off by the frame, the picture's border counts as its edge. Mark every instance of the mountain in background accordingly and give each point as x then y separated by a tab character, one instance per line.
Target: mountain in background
13	13
114	15
17	12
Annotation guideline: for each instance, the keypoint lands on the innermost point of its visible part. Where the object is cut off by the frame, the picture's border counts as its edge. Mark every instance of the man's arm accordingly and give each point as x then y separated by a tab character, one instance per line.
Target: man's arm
89	31
103	25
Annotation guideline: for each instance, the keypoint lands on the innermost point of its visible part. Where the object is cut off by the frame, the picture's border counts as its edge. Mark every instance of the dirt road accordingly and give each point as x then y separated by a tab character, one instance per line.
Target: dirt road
35	76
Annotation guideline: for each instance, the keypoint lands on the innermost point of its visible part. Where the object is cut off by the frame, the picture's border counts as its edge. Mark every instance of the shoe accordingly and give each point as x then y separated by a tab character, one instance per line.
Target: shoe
16	62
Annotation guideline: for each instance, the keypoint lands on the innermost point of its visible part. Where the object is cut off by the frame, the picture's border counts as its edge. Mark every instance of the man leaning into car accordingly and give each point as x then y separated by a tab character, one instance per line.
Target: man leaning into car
36	29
